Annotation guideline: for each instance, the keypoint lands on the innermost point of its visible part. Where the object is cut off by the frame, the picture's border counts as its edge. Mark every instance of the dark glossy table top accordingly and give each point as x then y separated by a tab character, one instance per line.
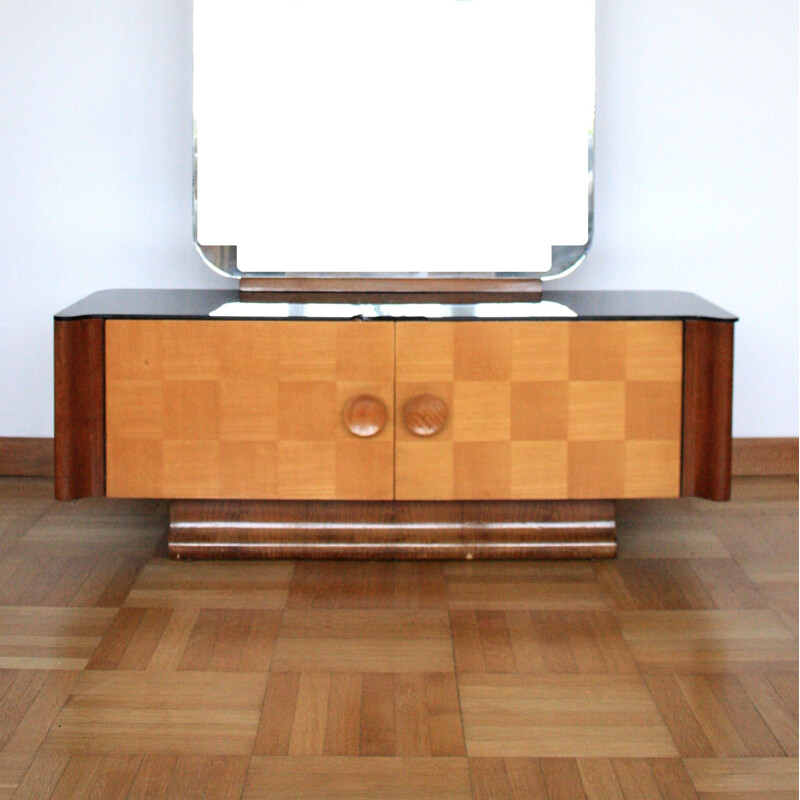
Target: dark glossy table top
555	305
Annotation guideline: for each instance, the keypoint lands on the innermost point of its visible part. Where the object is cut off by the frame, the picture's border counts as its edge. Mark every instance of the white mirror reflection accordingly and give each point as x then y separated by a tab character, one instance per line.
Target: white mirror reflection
393	136
541	310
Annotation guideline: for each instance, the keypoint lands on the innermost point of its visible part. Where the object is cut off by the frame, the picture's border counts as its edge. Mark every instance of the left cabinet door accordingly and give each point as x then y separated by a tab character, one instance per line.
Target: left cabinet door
250	409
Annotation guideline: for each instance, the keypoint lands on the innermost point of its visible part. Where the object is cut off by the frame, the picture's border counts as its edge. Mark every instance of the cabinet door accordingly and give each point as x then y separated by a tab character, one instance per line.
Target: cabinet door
246	409
541	410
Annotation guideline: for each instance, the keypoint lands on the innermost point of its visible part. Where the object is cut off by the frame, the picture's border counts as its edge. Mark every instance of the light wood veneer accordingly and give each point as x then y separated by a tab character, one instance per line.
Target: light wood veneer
253	410
199	409
542	410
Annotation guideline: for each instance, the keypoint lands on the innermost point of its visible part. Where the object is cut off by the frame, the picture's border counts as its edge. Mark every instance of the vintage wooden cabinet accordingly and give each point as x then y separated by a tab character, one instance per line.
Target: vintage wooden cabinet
494	431
389	379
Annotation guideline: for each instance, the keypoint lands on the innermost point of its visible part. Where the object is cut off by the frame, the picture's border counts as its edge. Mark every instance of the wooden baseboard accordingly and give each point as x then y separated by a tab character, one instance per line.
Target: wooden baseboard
26	456
29	456
765	456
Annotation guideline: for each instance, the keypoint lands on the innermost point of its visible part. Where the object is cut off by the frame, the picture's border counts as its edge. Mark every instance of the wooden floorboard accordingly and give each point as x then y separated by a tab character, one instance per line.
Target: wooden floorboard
669	673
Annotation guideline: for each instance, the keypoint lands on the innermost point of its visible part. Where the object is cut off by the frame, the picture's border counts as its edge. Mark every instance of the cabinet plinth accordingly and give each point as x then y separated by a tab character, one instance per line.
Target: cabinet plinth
394	438
398	530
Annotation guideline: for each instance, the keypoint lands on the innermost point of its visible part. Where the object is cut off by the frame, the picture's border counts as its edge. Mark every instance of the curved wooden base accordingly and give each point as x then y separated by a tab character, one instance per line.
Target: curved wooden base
392	530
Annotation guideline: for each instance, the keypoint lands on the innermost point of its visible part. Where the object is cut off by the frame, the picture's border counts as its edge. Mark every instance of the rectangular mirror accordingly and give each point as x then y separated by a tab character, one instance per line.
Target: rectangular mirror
393	138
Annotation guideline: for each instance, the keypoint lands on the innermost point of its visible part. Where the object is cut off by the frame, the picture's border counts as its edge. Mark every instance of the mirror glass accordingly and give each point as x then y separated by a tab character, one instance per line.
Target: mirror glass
393	137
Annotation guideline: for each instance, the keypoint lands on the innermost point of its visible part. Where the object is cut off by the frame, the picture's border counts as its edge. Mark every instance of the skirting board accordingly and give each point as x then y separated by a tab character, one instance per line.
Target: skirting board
33	457
29	457
765	456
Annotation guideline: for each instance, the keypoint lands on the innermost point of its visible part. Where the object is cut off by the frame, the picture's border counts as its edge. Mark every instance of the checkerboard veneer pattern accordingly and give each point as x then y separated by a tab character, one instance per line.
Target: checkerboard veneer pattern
542	410
537	410
250	409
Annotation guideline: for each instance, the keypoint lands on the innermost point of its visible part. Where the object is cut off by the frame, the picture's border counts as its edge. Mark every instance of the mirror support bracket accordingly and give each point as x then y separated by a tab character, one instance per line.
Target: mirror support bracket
434	290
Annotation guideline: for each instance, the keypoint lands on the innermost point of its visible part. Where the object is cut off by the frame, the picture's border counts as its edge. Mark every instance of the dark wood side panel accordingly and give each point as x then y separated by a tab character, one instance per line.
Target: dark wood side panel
79	409
395	530
707	407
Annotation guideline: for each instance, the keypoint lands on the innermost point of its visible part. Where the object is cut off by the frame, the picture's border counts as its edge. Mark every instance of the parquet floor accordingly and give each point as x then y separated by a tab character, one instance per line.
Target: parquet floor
669	673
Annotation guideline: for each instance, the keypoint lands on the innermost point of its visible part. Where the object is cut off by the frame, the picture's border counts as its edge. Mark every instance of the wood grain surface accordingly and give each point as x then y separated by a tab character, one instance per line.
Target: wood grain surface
364	415
765	456
772	456
424	414
670	672
534	410
246	409
405	530
545	410
27	456
708	409
79	409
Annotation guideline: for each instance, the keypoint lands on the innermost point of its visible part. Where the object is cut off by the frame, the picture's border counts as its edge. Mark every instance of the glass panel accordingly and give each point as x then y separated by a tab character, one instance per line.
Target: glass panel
542	310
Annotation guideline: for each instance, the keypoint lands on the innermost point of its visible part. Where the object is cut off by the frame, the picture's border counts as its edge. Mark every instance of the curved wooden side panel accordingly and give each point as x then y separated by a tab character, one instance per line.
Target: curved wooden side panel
707	407
79	409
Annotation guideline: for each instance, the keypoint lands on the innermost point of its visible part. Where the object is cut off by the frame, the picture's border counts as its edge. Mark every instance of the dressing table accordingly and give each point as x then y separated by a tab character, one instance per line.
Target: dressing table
396	182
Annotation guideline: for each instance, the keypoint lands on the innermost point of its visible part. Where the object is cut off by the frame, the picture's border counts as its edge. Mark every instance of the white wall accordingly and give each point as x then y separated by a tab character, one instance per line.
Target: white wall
696	179
697	176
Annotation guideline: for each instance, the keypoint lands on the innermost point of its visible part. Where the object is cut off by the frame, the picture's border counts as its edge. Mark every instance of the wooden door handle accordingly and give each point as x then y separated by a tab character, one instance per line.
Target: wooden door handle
425	414
364	415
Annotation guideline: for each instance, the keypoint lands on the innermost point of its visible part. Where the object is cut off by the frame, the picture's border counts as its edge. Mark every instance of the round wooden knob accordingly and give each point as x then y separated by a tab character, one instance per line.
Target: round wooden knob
425	414
364	415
